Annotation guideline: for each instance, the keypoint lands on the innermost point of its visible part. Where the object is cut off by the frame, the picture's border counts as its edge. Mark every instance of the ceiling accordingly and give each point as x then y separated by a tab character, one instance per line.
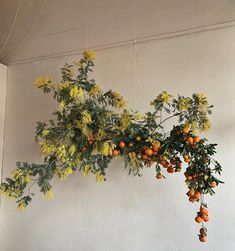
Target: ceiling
46	28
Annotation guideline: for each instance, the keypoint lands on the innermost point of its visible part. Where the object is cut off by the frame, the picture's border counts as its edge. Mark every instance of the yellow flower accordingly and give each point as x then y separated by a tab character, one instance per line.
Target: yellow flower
21	206
68	171
45	133
165	97
49	194
125	120
44	82
87	170
194	126
139	116
61	106
76	92
95	90
62	86
47	148
106	147
206	125
99	177
86	117
202	101
120	104
184	104
72	150
89	54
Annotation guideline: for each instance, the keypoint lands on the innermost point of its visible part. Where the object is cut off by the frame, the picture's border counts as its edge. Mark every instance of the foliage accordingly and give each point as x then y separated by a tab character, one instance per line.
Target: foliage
91	127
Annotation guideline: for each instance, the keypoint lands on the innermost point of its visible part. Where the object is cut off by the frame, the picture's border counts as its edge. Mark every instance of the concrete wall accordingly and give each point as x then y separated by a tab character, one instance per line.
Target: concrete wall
126	213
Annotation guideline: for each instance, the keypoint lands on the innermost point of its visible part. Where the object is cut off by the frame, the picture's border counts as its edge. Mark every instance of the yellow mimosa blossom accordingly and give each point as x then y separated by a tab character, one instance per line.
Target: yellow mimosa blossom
87	170
47	148
44	82
120	104
49	194
138	116
22	176
86	117
202	101
61	106
45	133
99	177
106	146
68	171
125	120
72	150
76	92
194	126
61	153
184	104
135	162
95	90
165	97
62	86
116	95
21	206
206	126
89	54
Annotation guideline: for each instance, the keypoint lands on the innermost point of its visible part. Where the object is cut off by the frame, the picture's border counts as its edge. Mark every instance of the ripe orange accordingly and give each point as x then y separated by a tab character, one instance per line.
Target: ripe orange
198	219
191	193
122	144
163	157
204	217
189	178
159	176
185	130
203	210
191	199
84	149
170	169
156	148
130	144
189	140
162	162
202	238
155	153
91	142
213	184
187	160
196	139
148	152
197	195
115	152
145	157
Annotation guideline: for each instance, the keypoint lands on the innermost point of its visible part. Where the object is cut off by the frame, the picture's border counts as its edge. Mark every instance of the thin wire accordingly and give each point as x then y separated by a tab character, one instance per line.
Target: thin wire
12	26
135	51
86	24
29	31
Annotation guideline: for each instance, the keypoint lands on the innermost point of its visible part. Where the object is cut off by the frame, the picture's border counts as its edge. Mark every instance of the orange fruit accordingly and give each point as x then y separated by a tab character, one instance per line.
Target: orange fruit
156	148
122	144
191	199
148	152
84	149
162	162
196	139
189	178
213	184
198	219
203	230
138	138
187	160
115	152
185	130
170	169
159	176
155	153
145	157
130	144
163	157
197	195
203	210
204	217
91	142
189	140
191	193
202	238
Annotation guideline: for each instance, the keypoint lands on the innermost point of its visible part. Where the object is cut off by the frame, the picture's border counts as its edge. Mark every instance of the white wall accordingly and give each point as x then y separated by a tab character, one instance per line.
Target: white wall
3	81
126	213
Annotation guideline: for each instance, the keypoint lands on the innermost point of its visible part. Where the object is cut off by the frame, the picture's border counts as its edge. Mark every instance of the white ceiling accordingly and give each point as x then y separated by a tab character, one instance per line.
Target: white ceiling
71	25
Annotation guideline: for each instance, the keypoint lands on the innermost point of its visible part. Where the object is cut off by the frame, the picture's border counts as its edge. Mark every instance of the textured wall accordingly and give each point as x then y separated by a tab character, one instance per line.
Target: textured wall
126	213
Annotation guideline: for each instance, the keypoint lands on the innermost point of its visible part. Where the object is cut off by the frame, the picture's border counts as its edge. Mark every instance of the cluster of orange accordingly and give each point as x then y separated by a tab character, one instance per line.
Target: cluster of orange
202	216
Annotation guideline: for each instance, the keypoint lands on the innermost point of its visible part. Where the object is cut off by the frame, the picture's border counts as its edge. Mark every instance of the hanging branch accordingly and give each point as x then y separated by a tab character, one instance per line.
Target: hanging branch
91	127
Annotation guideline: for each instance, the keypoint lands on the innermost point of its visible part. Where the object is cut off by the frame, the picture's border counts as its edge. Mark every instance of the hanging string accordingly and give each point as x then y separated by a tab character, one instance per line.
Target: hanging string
29	31
12	26
86	24
192	44
135	52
